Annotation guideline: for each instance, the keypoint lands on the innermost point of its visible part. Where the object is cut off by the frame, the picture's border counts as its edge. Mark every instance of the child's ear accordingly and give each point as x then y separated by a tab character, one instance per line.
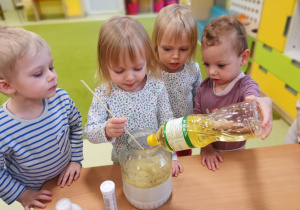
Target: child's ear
245	55
5	87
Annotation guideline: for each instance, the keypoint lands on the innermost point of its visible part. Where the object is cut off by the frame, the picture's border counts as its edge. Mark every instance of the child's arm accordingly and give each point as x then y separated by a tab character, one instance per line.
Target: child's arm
176	166
31	198
115	127
75	135
210	157
265	104
96	128
12	190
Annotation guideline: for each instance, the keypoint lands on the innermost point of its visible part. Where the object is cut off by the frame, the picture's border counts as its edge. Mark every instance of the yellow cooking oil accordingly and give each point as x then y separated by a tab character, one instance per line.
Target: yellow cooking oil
146	173
203	131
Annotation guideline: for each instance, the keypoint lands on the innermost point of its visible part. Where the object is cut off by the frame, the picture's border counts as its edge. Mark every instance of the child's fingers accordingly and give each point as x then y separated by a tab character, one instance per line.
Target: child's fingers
44	197
216	165
37	203
46	192
65	179
203	161
219	157
118	120
209	166
180	168
71	177
77	174
60	177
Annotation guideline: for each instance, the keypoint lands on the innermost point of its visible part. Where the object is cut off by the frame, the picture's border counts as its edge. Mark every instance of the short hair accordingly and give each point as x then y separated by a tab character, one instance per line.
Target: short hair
225	25
119	34
180	19
15	43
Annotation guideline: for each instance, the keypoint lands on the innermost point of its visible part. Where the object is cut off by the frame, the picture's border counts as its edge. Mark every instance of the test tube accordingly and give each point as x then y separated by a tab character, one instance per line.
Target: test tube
108	191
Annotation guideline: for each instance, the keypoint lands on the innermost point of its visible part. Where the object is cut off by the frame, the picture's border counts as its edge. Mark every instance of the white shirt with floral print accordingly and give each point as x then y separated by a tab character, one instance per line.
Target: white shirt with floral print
182	87
147	108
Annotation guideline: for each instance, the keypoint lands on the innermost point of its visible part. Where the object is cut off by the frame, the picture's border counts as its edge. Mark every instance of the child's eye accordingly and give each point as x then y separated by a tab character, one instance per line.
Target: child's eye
118	71
166	49
138	69
184	49
51	68
205	64
221	65
38	74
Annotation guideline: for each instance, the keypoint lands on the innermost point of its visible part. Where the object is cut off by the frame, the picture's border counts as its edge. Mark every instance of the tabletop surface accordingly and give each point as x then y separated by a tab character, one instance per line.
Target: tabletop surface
261	178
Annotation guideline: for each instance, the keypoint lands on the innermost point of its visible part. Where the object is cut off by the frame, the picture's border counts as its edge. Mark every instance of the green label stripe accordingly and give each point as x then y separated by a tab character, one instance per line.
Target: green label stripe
165	135
185	133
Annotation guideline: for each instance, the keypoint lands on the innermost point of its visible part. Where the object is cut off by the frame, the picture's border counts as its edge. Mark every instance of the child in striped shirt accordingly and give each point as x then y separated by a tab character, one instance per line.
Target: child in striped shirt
40	129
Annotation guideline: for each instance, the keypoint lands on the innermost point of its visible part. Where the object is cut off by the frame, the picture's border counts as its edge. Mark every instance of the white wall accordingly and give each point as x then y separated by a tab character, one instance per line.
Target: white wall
6	5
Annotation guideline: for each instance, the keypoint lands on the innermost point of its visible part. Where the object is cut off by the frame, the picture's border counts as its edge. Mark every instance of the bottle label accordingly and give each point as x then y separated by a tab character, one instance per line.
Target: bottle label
176	135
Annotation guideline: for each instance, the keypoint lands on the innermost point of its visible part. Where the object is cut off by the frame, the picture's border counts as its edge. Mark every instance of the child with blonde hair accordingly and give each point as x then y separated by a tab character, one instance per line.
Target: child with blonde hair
40	129
224	50
175	37
131	88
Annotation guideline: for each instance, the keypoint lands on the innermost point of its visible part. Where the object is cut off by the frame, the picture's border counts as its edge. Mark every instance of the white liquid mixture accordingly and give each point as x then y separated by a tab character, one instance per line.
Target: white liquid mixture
148	198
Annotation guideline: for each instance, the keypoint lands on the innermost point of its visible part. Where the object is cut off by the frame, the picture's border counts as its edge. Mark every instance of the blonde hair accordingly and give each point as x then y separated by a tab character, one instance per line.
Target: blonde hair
119	34
15	44
225	25
181	20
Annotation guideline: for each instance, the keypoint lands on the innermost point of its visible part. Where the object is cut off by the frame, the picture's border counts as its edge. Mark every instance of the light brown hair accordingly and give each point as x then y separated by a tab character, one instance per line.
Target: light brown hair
181	19
119	34
14	44
226	25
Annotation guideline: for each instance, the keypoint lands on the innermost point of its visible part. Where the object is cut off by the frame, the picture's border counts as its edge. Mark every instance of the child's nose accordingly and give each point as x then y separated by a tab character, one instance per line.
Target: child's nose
129	76
51	75
211	71
175	54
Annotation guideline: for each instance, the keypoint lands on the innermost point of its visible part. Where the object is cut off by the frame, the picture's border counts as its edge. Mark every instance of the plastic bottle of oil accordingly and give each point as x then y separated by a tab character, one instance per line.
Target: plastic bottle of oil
236	122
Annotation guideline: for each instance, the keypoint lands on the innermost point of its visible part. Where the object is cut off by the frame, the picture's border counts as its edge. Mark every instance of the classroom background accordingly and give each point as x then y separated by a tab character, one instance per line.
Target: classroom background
71	29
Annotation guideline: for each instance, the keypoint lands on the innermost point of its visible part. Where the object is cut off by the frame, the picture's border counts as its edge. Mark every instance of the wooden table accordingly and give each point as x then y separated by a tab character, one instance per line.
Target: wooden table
261	178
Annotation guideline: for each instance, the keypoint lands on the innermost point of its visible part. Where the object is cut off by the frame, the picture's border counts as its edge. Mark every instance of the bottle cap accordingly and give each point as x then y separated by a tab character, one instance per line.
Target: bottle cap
107	187
151	140
65	204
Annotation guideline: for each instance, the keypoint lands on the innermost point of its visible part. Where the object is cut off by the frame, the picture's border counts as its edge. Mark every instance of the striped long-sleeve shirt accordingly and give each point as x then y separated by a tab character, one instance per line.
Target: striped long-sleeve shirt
34	151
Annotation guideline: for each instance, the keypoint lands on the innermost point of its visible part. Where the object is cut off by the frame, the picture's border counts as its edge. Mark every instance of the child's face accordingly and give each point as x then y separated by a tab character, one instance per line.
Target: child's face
35	76
173	53
127	75
222	64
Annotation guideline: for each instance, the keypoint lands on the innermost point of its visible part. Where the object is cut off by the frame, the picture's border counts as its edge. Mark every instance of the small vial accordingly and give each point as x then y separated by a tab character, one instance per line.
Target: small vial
108	191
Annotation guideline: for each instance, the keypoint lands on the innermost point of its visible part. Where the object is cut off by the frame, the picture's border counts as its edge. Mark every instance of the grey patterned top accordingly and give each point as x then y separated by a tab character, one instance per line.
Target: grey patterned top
182	87
147	108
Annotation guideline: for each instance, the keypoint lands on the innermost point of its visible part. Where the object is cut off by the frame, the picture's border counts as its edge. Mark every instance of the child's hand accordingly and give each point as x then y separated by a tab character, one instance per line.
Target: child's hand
31	198
210	157
176	167
265	104
71	172
115	127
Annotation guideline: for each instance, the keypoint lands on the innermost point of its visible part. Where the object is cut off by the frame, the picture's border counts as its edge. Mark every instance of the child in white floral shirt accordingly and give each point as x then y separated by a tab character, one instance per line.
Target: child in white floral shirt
175	39
131	90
